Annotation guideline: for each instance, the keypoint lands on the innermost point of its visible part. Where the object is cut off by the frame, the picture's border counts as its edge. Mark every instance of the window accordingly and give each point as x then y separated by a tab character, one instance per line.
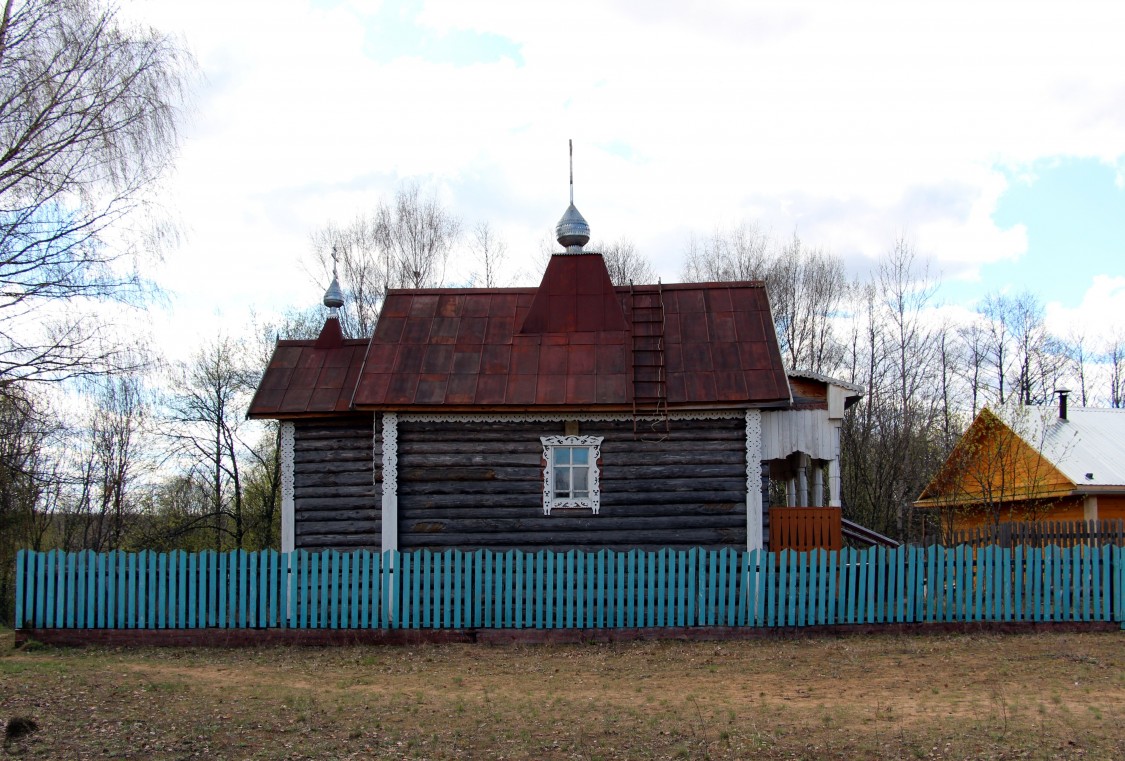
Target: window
570	477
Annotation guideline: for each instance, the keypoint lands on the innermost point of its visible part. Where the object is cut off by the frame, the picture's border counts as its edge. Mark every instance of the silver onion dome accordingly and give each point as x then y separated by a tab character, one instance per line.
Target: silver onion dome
572	231
334	297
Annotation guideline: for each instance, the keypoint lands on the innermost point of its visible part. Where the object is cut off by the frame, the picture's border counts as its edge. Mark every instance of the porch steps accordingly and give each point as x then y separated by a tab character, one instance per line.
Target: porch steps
864	535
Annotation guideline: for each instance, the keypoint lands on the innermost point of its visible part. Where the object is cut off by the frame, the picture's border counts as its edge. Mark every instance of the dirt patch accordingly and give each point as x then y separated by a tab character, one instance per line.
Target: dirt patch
966	696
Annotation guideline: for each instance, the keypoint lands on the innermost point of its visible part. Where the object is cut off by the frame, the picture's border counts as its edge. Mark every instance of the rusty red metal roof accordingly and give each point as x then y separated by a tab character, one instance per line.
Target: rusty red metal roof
570	342
310	377
720	344
575	296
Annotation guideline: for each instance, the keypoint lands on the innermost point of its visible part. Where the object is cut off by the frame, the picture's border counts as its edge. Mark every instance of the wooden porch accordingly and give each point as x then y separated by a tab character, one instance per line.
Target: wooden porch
817	528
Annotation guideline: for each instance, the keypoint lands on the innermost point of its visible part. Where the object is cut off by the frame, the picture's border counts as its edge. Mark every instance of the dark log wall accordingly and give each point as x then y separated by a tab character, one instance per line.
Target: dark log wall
337	468
480	485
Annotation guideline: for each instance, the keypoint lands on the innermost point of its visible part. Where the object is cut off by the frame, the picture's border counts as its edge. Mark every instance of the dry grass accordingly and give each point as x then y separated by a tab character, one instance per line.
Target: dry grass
1033	696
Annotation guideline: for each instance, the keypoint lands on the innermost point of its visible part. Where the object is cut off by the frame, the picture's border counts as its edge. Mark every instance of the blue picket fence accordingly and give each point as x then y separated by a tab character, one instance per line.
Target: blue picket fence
482	589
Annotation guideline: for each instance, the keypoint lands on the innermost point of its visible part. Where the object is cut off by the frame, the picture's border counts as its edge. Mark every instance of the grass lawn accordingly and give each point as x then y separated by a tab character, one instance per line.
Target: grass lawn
963	697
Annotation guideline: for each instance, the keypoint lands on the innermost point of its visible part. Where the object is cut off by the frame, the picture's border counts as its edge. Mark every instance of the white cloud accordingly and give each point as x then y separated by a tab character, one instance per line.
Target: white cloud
1099	317
850	122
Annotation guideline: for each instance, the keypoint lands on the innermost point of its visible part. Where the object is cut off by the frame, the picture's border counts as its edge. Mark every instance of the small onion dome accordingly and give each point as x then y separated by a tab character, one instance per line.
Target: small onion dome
334	297
572	231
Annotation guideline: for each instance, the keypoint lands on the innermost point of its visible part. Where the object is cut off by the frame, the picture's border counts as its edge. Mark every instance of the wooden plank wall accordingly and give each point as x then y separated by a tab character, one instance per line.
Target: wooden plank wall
789	431
480	485
337	468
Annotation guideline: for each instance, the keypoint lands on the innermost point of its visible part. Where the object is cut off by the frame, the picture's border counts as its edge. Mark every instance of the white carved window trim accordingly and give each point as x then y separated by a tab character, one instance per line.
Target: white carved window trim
550	501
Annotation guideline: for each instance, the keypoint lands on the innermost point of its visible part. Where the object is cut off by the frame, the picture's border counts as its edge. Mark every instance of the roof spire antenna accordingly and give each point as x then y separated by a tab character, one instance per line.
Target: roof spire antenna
572	231
571	142
334	297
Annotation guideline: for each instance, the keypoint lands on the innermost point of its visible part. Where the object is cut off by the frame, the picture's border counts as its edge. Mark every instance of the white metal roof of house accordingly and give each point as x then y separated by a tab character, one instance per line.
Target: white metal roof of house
1088	447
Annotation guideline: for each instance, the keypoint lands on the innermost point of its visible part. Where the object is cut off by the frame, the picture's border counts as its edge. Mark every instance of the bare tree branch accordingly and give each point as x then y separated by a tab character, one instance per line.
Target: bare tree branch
88	114
402	244
624	263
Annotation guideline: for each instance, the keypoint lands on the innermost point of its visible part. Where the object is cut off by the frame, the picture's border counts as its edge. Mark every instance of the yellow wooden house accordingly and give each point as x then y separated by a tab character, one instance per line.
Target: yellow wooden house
1033	463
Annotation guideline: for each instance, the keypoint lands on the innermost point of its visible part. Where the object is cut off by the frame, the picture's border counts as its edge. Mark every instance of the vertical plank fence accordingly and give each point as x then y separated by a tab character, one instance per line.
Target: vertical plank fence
1045	533
567	590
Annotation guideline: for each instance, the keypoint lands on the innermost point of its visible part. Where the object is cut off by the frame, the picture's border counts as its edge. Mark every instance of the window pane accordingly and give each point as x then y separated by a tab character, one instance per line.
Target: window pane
581	485
562	482
581	455
562	455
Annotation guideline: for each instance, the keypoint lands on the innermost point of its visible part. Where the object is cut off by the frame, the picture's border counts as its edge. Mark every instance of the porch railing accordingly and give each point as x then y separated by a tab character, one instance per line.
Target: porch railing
805	528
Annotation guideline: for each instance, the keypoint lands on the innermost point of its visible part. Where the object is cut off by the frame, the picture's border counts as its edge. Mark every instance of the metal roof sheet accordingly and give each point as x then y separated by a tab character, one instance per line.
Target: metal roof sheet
309	377
711	356
1090	441
567	343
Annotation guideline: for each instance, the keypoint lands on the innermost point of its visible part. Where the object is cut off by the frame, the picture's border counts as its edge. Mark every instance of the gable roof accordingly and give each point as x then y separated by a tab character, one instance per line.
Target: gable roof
569	342
1090	441
466	347
992	464
1085	453
310	377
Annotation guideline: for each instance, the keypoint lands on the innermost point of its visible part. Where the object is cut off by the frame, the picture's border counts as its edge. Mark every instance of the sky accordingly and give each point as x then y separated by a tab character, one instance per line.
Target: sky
990	135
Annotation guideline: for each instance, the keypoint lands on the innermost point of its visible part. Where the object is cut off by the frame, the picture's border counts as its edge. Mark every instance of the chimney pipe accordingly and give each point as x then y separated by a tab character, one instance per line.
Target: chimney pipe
1062	392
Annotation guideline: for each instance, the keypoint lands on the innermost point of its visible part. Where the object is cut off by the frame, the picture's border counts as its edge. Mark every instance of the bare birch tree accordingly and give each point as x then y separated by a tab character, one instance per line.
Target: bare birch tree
973	339
996	310
490	253
1026	360
28	481
1076	350
105	504
206	411
907	289
624	263
364	272
806	287
895	438
416	235
88	114
403	243
1040	359
741	252
1115	358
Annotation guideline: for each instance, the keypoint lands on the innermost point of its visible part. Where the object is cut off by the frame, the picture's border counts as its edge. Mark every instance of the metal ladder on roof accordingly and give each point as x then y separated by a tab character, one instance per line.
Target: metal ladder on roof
650	380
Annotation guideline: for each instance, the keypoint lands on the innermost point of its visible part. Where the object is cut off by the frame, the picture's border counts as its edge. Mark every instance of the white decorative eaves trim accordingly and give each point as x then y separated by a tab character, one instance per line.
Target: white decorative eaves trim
390	454
547	417
549	500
